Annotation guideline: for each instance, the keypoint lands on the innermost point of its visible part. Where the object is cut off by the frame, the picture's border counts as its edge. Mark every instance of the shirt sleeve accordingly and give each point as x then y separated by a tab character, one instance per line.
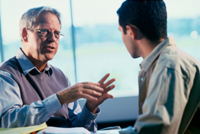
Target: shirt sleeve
82	118
165	102
12	111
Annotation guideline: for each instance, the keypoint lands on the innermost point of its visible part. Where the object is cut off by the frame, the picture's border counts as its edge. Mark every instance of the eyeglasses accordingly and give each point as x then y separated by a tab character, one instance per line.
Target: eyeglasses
46	33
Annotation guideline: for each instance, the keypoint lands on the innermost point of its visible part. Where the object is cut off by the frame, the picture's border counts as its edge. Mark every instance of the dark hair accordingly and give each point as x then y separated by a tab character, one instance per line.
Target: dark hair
150	17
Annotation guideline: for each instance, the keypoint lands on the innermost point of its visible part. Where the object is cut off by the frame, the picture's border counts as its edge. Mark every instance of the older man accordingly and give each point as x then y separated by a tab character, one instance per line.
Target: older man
33	91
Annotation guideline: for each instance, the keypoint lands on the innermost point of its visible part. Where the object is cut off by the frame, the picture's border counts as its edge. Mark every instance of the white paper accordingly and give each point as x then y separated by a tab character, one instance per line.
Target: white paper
58	130
114	131
128	130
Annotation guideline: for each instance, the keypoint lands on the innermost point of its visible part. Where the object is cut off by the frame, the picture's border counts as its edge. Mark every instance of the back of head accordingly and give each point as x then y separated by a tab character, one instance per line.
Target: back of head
29	18
150	17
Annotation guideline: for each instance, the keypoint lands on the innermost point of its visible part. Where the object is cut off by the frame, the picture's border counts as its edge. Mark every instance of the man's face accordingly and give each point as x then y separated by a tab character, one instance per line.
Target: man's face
129	42
43	48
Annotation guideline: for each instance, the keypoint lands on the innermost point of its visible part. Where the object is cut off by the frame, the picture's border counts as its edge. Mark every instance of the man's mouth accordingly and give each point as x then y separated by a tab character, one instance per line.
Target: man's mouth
50	48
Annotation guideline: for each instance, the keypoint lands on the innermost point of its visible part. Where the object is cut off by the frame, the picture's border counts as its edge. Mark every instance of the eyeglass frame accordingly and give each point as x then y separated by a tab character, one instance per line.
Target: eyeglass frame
39	31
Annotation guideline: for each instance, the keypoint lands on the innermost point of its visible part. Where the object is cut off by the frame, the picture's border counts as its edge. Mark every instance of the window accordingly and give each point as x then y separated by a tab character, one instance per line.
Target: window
10	17
99	47
184	25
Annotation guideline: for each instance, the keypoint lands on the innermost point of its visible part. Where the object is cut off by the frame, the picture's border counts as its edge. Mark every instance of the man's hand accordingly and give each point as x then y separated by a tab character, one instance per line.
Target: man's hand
92	104
88	90
95	93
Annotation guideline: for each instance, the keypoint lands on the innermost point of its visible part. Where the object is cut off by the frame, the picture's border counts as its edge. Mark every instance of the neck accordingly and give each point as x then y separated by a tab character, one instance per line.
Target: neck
40	65
148	46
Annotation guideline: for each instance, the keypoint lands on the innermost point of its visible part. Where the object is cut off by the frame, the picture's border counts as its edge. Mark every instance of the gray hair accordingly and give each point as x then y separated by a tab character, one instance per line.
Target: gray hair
29	18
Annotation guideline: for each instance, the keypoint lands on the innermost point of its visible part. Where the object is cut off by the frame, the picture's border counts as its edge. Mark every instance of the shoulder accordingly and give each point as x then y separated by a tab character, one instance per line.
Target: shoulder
57	70
6	77
176	59
173	57
4	74
10	63
59	75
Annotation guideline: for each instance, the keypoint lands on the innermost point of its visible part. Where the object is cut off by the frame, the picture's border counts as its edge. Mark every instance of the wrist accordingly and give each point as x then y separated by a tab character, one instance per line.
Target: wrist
92	109
60	98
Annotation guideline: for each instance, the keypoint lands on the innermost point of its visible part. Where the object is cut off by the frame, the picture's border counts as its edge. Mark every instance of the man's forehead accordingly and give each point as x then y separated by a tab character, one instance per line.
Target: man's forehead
44	16
47	18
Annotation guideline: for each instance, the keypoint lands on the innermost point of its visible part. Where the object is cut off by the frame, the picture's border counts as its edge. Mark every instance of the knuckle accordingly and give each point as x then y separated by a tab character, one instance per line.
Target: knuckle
79	85
87	83
80	94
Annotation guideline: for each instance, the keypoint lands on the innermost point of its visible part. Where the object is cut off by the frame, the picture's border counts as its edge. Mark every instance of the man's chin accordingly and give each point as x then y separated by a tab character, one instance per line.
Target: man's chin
134	56
49	57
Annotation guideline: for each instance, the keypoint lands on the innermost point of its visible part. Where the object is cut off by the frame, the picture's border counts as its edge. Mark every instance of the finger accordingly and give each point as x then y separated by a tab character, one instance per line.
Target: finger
89	97
91	83
110	88
104	78
109	82
91	92
109	96
93	87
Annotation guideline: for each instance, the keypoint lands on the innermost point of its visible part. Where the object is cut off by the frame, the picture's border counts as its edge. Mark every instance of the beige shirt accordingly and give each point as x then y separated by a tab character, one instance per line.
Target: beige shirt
167	77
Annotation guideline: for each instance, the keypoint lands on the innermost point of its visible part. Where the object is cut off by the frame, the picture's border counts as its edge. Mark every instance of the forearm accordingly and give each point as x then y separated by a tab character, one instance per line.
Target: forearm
28	115
84	119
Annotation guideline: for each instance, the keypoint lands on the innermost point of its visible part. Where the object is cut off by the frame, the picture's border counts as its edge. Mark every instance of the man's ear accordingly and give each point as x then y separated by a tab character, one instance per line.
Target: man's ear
134	32
24	35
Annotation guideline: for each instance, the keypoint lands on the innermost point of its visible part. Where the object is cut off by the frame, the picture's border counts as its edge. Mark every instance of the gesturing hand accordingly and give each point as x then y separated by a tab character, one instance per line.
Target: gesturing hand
93	104
88	90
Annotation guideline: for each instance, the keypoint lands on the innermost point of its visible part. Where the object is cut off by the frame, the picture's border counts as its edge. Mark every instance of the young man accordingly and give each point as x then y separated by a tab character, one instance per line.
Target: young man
33	92
169	78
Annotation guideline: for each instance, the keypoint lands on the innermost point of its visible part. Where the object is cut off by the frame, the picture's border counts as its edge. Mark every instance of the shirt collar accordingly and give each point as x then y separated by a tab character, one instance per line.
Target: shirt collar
146	63
27	65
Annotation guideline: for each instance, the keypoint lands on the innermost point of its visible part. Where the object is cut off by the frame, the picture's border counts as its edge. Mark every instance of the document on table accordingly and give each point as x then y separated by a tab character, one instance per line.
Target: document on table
58	130
23	130
114	131
75	130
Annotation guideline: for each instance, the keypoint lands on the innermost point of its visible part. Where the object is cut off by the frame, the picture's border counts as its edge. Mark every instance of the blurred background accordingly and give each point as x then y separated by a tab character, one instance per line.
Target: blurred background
92	46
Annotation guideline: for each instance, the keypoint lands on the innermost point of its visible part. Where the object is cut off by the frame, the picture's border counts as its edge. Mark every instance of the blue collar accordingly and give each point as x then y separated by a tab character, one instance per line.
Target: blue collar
27	65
